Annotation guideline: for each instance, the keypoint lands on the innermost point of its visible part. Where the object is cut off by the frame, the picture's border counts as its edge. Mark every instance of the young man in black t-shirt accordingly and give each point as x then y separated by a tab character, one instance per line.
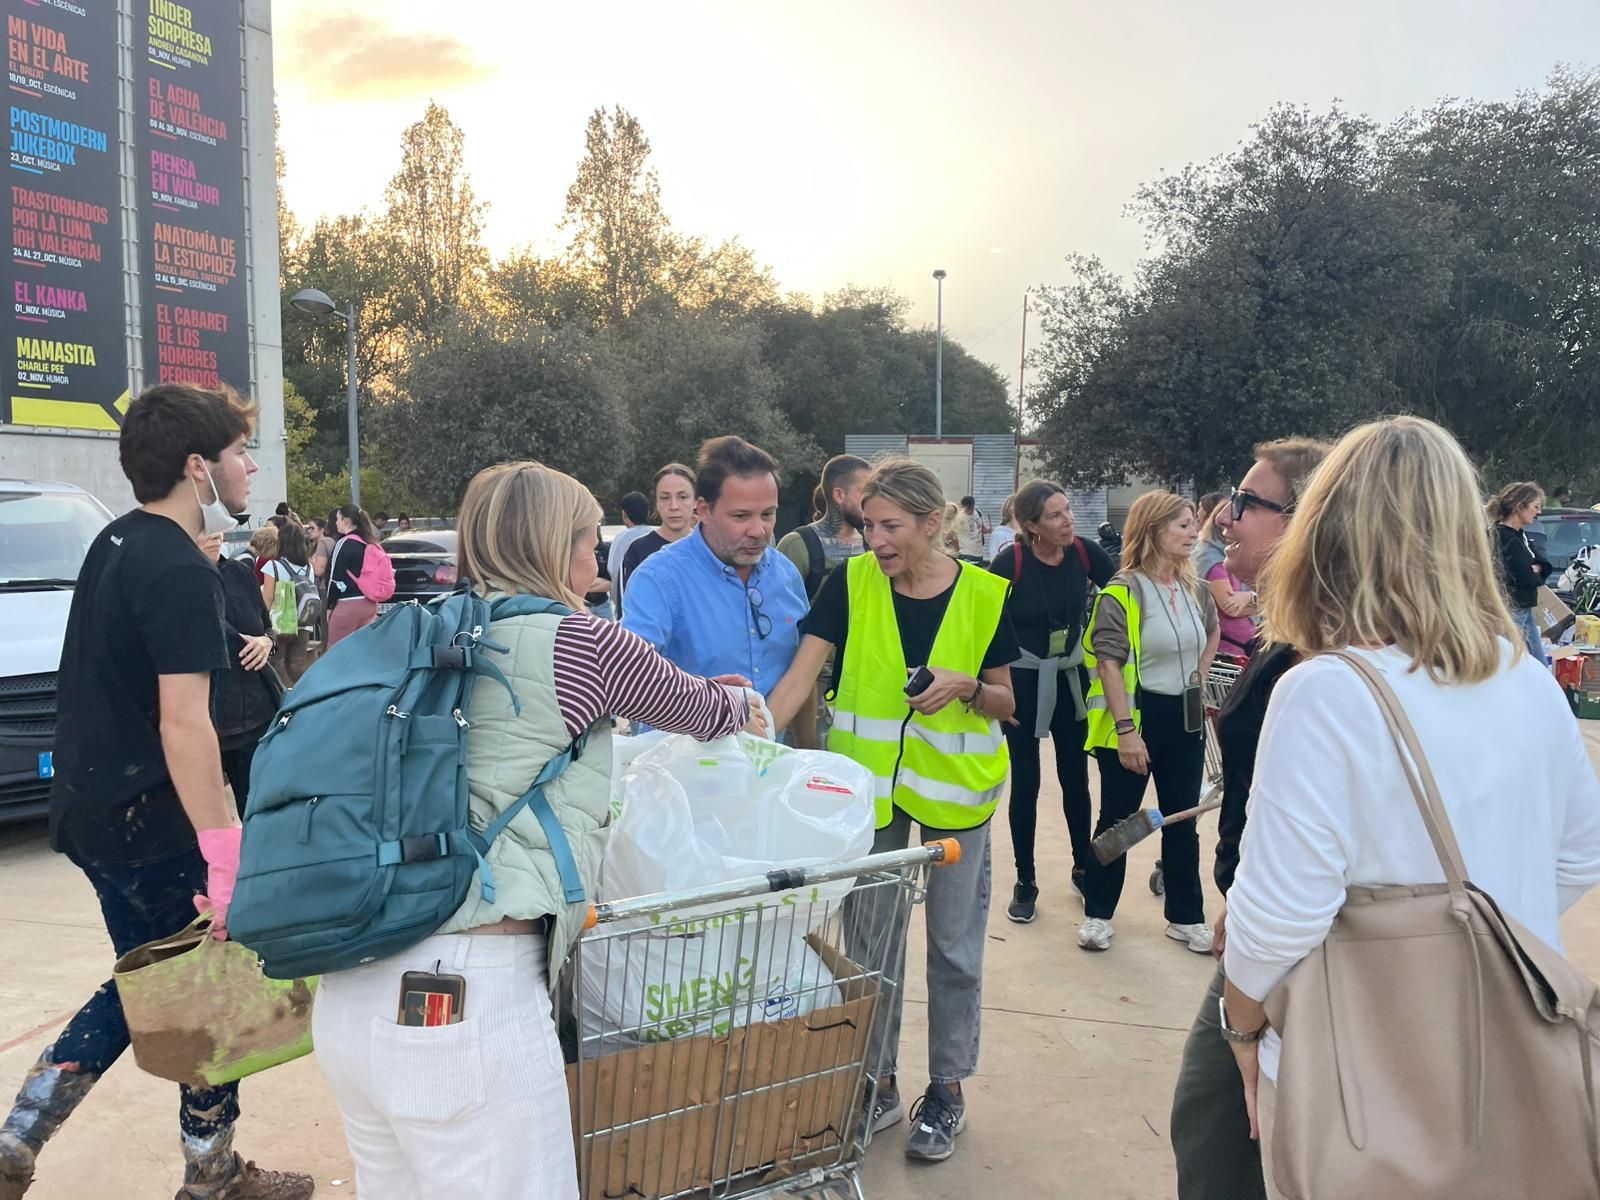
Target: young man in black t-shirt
138	802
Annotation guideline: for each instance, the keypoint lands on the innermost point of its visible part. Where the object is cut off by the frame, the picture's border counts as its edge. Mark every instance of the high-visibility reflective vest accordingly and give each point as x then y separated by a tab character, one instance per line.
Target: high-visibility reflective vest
1102	724
948	770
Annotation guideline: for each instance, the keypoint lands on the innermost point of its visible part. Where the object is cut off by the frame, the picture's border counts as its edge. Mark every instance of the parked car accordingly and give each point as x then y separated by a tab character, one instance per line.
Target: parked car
1559	533
424	566
45	531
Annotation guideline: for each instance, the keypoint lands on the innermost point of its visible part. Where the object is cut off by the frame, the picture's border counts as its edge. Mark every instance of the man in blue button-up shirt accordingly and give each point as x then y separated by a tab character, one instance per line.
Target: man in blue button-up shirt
723	601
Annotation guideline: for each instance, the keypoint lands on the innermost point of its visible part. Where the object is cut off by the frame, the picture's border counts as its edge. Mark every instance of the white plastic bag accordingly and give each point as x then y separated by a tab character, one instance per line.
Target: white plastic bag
696	813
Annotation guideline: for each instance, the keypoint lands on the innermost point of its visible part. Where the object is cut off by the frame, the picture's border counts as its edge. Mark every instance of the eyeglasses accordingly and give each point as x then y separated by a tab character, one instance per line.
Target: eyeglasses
762	621
1243	498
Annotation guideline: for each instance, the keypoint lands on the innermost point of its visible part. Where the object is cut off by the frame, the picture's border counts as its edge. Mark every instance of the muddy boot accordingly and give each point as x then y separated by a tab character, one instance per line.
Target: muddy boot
48	1095
213	1171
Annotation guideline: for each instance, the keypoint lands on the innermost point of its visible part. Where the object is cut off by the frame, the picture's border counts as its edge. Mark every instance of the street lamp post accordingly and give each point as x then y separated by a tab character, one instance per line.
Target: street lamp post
938	361
318	304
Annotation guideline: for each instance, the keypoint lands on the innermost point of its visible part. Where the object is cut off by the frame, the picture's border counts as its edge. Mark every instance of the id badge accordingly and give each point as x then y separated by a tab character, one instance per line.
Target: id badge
1058	643
1194	706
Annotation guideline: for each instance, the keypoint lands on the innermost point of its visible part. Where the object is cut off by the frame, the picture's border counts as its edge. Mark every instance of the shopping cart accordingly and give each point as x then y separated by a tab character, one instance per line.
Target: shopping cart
723	1036
1224	673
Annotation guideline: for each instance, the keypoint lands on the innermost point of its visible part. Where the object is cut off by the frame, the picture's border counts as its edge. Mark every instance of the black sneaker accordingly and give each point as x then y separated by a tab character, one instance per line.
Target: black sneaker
1021	908
935	1121
880	1110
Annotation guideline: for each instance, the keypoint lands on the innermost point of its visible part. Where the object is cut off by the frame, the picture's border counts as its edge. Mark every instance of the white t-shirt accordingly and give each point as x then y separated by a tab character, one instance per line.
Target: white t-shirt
999	540
619	548
969	533
1330	807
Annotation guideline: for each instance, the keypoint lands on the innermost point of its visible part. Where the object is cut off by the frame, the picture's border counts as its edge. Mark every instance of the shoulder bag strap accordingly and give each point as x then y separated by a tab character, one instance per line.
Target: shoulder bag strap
1418	773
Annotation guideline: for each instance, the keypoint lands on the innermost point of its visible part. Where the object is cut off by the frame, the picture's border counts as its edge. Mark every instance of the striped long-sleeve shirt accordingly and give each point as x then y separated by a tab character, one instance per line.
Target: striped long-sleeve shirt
603	670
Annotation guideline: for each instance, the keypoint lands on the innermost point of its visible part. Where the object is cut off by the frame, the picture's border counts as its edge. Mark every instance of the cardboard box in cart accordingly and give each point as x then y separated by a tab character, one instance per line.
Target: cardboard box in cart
708	1108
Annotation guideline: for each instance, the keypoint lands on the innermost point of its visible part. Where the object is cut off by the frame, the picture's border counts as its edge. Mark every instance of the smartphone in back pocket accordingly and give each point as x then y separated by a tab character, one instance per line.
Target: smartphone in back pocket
427	999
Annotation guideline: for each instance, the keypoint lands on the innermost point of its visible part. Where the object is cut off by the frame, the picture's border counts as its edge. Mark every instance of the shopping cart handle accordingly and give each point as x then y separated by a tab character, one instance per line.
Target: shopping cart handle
945	851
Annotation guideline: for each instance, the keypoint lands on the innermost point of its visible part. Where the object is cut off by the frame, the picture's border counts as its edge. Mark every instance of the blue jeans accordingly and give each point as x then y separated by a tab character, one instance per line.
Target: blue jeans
141	904
1530	632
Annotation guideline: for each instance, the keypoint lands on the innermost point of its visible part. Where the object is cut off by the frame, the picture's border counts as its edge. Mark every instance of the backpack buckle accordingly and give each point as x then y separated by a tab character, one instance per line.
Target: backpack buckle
452	658
430	847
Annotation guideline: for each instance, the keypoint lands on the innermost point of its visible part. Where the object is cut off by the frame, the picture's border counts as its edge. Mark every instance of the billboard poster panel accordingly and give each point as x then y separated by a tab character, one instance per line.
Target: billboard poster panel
191	186
65	336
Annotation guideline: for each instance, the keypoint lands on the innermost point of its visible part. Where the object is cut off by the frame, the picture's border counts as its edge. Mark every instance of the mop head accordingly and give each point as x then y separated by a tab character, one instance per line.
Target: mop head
1125	835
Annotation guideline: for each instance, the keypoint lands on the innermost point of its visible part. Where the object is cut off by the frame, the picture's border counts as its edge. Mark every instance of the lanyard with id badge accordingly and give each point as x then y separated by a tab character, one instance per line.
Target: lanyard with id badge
1194	705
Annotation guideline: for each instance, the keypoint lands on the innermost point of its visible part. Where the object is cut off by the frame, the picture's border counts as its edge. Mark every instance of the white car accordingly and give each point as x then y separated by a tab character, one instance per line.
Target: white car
45	530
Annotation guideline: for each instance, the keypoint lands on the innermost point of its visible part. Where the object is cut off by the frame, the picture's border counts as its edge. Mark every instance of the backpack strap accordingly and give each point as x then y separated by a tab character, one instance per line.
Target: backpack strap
538	803
816	559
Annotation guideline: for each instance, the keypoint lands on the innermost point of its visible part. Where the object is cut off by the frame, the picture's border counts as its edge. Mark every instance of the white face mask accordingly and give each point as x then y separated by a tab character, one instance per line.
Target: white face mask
214	516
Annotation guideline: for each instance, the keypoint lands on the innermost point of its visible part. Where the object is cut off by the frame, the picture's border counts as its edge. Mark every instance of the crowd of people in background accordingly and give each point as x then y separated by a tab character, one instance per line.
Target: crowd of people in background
895	628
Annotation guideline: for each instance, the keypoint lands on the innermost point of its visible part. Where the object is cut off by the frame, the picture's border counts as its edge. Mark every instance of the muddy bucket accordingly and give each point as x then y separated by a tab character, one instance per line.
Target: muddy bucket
201	1012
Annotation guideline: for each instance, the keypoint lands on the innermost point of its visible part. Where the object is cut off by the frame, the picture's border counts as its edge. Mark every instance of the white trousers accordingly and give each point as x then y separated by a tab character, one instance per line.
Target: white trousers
468	1111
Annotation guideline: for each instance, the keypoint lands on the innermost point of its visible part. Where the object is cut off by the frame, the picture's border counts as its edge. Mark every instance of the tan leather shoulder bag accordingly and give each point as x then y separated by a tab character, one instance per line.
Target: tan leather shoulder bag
1433	1048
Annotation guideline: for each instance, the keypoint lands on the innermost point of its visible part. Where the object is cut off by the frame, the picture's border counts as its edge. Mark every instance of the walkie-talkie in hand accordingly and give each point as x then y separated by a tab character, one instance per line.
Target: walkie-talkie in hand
920	682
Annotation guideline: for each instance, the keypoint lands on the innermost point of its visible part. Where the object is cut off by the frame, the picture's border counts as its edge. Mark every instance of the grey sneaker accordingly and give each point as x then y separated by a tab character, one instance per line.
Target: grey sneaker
880	1110
1023	899
935	1121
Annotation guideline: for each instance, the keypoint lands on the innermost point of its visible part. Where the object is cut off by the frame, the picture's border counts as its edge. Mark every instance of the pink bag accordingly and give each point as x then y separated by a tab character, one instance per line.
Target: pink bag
376	578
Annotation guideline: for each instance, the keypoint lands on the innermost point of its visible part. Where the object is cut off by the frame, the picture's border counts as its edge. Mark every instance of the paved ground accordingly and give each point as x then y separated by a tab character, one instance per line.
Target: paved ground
1079	1051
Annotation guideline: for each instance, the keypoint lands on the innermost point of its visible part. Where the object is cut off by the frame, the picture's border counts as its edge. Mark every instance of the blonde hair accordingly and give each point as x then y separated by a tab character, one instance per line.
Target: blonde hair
264	541
1150	514
1387	548
1512	497
905	484
519	522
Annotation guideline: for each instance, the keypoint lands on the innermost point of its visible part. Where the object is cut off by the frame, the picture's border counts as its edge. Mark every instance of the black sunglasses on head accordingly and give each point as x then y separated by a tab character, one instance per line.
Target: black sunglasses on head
1243	498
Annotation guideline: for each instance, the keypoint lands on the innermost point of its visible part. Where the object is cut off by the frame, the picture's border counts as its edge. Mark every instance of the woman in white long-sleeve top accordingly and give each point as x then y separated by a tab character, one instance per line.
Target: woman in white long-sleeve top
1388	557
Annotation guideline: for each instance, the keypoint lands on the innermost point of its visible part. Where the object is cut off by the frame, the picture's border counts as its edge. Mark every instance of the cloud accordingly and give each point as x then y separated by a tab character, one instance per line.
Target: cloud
352	56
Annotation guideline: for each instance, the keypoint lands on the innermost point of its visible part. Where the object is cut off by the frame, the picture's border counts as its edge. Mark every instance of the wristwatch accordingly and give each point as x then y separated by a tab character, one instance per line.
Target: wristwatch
1230	1034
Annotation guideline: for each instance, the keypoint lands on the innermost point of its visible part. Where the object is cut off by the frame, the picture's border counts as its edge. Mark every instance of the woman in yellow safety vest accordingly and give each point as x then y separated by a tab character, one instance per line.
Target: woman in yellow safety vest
938	758
1150	644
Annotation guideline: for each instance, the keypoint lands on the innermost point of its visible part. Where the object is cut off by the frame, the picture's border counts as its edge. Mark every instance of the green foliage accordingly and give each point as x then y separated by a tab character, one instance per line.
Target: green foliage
686	378
486	394
624	351
1328	271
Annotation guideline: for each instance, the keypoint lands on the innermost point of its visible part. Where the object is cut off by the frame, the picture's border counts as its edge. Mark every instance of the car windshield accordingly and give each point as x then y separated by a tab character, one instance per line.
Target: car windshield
44	536
1565	536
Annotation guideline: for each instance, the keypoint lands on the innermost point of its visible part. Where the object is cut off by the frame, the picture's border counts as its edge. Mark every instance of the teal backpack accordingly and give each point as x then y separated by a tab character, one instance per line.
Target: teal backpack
356	839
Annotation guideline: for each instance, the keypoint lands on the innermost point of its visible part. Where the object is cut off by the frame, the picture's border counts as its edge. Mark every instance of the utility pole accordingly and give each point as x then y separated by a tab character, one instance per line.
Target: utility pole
938	362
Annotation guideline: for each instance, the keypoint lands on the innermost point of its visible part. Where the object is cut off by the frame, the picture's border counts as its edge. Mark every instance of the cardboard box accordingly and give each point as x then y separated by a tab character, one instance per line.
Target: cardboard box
765	1099
1551	614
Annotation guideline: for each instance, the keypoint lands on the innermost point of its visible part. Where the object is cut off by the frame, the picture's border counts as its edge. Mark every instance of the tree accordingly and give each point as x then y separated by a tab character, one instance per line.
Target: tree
436	219
620	235
854	367
349	258
1269	308
685	378
1512	363
485	394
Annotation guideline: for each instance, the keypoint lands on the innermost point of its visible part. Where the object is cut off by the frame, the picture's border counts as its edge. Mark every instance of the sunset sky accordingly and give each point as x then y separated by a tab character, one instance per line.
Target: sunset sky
873	141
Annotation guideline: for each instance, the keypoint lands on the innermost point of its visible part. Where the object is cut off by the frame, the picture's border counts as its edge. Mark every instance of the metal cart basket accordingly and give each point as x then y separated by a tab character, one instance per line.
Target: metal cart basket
724	1035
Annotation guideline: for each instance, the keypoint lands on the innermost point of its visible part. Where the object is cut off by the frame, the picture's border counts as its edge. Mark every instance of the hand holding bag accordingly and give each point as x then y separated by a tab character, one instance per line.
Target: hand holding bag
202	1013
1433	1048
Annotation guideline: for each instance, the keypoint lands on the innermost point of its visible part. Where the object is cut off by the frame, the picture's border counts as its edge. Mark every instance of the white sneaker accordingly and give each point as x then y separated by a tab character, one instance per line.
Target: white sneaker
1095	934
1195	937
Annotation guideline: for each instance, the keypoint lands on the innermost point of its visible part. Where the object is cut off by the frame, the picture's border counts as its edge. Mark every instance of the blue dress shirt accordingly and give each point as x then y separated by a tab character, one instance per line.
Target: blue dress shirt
697	612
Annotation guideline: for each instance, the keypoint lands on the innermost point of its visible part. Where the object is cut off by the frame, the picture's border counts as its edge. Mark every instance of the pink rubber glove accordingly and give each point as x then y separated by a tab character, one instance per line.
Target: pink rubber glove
220	847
